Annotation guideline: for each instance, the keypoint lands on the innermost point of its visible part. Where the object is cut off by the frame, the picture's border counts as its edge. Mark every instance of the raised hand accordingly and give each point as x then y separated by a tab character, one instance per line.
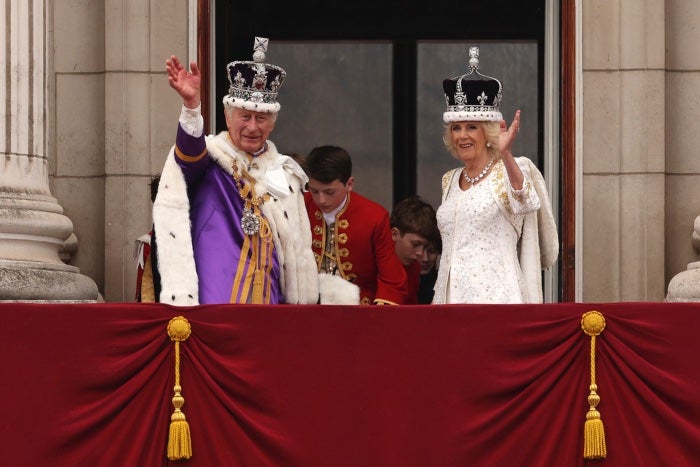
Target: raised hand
507	136
186	83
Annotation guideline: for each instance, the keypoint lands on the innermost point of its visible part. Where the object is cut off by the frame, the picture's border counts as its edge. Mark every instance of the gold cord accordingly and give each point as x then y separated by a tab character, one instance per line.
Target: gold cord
179	439
593	323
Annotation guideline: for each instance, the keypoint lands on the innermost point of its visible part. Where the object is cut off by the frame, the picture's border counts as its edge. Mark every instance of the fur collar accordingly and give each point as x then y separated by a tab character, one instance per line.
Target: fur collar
274	173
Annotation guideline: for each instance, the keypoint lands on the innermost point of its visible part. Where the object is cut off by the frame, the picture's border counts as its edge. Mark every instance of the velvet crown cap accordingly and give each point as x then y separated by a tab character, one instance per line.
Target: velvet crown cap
472	96
254	84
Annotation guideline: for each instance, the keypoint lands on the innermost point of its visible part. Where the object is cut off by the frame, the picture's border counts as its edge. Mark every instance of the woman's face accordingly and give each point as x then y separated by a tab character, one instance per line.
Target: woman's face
469	140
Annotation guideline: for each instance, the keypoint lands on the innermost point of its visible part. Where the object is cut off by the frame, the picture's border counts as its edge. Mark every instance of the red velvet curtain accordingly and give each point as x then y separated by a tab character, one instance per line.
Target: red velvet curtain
495	385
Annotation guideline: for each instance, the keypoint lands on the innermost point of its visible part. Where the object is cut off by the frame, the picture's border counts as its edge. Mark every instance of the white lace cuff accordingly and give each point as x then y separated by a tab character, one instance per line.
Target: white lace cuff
191	121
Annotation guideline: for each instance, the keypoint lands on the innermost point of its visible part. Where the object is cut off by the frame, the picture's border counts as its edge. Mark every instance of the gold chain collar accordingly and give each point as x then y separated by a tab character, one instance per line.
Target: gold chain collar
252	221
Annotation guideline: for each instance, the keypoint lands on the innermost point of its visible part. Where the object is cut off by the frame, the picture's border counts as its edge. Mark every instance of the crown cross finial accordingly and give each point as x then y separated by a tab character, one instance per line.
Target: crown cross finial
259	49
474	58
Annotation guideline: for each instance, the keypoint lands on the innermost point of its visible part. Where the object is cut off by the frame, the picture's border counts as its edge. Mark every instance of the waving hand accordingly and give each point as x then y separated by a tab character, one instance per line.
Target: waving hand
186	83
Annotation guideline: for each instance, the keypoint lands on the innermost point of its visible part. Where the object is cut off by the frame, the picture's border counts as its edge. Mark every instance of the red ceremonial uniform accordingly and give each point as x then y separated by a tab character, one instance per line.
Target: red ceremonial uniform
364	249
413	271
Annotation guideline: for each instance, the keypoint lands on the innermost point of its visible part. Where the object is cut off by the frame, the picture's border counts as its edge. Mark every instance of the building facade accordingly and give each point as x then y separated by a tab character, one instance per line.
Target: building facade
109	119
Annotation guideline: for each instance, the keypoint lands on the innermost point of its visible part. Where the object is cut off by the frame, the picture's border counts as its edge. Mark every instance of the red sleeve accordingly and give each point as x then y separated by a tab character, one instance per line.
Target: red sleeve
413	273
392	280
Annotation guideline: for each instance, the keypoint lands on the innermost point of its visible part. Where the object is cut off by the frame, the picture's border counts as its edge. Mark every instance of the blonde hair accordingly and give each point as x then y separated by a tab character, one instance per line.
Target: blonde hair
492	131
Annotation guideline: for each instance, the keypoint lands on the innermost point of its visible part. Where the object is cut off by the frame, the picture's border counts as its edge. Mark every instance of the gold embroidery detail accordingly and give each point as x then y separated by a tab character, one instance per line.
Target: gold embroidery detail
346	266
343	224
317	243
381	301
182	156
522	194
318	230
446	179
318	215
342	238
328	262
343	252
499	178
505	201
245	190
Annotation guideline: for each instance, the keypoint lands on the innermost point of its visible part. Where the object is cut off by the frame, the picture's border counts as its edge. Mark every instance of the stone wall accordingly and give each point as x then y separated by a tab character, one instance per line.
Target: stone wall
116	119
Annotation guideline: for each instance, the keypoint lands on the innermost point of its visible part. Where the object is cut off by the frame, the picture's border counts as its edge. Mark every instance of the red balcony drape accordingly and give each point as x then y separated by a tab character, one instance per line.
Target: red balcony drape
491	385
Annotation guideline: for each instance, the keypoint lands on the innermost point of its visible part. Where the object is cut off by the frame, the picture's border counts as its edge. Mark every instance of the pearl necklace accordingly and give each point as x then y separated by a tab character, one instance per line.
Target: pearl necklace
474	180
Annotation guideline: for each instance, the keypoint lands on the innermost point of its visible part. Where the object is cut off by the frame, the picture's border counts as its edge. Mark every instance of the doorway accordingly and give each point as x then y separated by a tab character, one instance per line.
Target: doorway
367	76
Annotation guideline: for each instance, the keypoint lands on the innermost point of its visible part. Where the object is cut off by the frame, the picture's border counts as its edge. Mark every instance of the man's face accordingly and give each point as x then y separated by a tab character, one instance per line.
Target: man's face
249	130
409	247
329	196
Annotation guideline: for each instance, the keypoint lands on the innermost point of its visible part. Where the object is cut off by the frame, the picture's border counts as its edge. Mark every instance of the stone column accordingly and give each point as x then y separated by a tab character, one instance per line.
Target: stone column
624	150
33	229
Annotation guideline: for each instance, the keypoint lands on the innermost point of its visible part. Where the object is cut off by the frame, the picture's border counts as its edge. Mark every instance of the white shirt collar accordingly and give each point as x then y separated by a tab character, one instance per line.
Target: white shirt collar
330	216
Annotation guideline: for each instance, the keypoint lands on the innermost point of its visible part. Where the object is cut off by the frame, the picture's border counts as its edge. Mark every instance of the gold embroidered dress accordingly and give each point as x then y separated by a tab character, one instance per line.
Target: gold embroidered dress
480	229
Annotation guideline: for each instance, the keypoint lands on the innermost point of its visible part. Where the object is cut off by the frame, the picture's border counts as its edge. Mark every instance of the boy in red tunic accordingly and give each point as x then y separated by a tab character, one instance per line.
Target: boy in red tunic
351	237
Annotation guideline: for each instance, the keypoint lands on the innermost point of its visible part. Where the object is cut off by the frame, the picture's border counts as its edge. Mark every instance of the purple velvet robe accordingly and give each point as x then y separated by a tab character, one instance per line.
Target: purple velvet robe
223	254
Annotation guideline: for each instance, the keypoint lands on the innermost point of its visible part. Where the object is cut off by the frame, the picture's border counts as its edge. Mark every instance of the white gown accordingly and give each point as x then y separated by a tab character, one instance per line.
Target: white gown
479	262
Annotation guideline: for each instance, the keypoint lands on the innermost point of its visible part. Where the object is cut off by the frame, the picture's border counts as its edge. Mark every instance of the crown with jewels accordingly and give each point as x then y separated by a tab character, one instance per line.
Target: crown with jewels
472	96
254	84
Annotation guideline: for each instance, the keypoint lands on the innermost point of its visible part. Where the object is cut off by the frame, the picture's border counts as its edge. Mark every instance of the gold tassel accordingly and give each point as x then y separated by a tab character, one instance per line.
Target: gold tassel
179	440
593	323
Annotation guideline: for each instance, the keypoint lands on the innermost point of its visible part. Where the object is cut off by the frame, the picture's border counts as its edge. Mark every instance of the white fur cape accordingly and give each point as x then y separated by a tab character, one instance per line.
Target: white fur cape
276	174
334	290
